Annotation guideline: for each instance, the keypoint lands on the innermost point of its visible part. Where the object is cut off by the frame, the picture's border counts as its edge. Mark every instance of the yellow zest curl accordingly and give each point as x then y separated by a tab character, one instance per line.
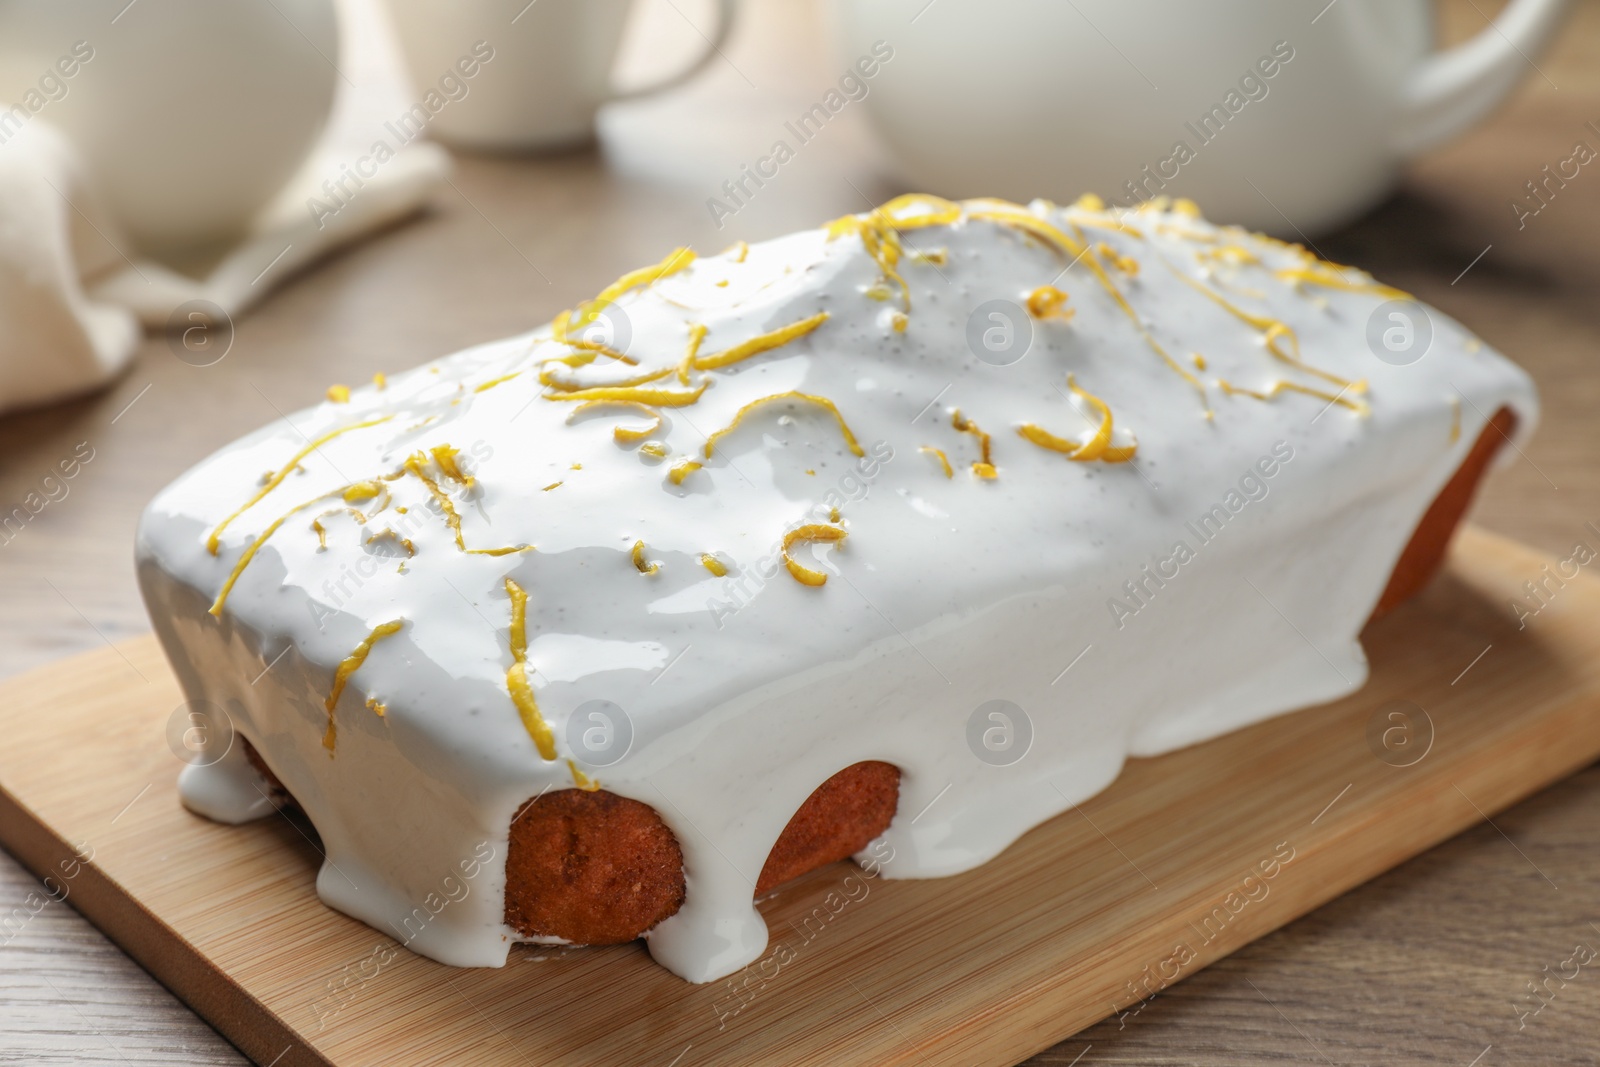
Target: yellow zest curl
1123	263
1099	444
1048	302
388	534
713	564
944	461
820	401
339	394
809	534
984	466
681	470
624	434
445	457
642	565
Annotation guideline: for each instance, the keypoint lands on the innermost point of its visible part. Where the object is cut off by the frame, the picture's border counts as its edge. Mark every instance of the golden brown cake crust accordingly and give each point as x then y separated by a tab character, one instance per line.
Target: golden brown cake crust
1424	553
592	868
595	868
838	820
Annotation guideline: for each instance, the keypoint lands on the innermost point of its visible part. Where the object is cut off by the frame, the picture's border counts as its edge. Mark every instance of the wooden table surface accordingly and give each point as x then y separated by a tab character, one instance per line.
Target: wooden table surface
1427	964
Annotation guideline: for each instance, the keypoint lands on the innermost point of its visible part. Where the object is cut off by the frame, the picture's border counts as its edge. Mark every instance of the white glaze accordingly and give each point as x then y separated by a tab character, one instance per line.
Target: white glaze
949	592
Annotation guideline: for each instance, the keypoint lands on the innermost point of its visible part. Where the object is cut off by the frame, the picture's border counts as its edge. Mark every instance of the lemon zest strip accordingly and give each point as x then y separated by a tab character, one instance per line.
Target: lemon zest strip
642	565
1047	302
983	467
713	564
814	533
415	464
682	470
581	780
1277	388
544	739
623	434
588	312
761	343
1331	277
348	666
483	387
445	457
820	401
662	398
944	460
250	551
1271	331
697	334
213	538
356	492
1099	444
548	379
880	228
1073	249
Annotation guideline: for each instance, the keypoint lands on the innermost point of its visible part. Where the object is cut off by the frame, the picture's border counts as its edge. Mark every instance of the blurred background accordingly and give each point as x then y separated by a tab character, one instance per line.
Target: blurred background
209	212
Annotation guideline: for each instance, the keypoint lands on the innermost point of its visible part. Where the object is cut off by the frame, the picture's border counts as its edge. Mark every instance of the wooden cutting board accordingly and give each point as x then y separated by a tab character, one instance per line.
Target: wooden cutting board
1184	859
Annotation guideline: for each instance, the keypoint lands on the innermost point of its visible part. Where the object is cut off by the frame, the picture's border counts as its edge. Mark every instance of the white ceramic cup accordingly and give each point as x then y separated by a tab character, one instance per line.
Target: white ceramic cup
190	114
549	71
1028	98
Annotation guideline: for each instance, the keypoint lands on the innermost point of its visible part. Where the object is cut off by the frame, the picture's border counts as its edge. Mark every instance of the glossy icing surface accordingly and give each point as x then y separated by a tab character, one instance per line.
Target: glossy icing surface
788	511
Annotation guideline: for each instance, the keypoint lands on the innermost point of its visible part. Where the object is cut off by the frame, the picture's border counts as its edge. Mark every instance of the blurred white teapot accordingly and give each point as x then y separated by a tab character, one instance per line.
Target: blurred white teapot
191	114
1282	117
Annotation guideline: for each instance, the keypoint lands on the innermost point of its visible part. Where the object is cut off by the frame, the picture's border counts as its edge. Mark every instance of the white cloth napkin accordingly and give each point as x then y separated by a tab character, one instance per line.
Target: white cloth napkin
73	295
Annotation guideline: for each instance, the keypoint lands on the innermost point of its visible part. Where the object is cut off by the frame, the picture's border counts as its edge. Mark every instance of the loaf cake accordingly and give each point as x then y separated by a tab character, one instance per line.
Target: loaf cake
905	531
